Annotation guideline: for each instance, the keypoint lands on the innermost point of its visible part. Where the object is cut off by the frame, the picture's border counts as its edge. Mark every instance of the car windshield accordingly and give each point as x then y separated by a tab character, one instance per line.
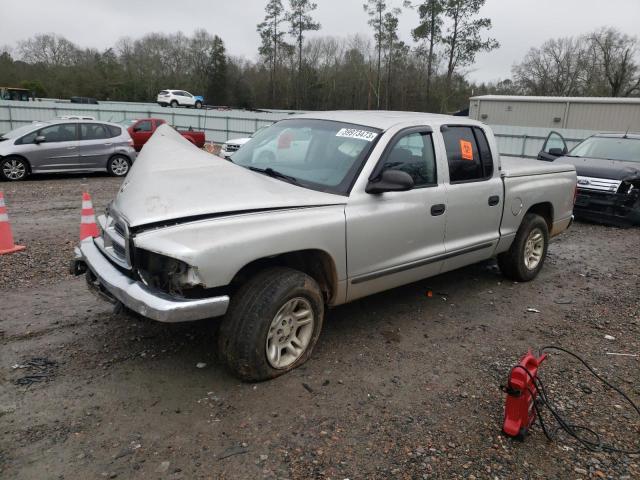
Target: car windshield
18	132
610	148
318	154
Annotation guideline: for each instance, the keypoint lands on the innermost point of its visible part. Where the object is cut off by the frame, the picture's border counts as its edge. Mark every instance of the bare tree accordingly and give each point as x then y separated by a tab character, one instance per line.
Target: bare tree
617	56
272	35
48	49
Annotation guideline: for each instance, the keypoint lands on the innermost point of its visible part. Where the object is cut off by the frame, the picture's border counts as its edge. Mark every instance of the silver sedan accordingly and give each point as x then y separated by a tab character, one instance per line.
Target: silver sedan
65	146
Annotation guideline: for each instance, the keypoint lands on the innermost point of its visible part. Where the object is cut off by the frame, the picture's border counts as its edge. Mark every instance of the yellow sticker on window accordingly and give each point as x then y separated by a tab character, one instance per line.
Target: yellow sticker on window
466	150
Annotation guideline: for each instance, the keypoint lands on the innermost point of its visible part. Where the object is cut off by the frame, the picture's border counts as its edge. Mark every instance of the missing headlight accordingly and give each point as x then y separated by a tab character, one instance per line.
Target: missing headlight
167	274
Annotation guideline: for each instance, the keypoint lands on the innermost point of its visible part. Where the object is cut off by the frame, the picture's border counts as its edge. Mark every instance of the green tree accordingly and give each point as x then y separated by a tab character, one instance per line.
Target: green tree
217	73
271	35
376	10
429	30
301	21
463	38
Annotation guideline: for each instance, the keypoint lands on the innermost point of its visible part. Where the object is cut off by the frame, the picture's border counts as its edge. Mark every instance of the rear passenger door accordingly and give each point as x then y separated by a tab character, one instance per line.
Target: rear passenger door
95	146
474	196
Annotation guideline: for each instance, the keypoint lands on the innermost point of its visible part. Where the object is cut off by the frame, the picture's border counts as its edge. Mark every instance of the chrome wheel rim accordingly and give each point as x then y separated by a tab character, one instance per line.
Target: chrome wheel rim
533	249
119	166
14	169
290	333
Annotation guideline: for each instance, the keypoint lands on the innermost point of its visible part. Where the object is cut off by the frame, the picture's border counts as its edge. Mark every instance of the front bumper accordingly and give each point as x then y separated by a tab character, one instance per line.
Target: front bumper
114	285
610	208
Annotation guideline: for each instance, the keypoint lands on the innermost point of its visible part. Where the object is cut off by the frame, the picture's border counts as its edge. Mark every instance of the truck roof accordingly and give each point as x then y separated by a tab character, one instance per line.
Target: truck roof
387	119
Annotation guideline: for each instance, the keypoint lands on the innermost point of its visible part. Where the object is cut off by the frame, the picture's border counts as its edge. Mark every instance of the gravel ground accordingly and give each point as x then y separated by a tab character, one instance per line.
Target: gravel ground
401	385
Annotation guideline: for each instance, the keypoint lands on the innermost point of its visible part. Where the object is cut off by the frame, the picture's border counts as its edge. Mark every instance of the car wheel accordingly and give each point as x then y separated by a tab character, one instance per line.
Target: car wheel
198	104
174	103
14	169
118	166
272	325
525	258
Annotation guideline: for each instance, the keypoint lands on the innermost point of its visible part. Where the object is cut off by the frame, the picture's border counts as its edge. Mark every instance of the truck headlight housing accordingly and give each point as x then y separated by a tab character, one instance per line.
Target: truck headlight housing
166	274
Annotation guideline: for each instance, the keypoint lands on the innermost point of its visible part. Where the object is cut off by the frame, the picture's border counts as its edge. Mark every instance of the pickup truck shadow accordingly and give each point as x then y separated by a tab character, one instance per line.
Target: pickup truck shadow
384	314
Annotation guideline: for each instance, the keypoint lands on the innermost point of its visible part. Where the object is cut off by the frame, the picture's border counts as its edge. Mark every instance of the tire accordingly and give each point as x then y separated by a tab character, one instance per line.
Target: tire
118	166
174	103
525	258
198	104
260	324
14	169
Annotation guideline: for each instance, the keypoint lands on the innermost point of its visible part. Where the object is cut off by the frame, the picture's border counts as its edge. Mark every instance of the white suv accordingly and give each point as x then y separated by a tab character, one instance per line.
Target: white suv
177	98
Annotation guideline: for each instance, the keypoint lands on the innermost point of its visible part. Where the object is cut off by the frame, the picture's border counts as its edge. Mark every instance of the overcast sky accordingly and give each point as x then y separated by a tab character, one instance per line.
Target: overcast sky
517	24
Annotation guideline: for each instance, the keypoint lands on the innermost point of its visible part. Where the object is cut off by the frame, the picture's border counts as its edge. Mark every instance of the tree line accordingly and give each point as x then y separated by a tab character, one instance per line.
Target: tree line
294	70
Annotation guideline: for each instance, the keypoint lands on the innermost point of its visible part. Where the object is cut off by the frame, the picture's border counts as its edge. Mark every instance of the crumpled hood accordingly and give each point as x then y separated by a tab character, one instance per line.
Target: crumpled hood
171	179
602	168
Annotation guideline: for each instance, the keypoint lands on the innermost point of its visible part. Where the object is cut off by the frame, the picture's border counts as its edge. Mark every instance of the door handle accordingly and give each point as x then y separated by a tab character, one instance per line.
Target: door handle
437	210
494	200
108	143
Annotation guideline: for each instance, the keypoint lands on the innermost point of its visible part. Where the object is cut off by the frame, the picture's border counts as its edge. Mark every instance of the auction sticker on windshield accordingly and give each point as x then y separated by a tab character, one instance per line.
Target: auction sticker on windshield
355	133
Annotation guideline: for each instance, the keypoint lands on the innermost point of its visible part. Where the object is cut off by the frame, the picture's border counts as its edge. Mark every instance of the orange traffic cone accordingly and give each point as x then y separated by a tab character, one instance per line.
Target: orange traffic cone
6	237
88	227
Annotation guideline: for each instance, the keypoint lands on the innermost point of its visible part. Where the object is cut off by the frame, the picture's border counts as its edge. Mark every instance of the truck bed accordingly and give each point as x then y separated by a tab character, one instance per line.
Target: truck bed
521	167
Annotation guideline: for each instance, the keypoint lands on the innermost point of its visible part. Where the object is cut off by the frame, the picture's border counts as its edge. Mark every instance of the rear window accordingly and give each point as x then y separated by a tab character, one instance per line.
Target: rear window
113	131
92	131
468	154
164	92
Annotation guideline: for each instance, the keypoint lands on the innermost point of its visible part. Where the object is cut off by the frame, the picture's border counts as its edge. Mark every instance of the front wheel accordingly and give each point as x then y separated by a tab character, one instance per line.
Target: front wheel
13	169
198	104
525	258
272	325
118	166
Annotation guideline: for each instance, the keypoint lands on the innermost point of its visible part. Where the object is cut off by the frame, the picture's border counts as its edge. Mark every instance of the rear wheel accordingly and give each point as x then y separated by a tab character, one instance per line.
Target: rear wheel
272	325
524	260
174	103
118	166
14	169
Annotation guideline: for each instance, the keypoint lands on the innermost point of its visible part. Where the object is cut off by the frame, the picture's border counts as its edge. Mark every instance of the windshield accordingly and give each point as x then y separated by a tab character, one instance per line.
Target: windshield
610	148
18	132
318	154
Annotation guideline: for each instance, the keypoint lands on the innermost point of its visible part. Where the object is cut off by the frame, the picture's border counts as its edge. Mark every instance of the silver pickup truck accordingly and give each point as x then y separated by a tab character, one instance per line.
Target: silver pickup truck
313	212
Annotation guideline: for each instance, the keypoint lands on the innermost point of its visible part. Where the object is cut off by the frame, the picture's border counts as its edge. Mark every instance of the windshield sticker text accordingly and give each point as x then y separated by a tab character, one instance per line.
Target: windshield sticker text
359	134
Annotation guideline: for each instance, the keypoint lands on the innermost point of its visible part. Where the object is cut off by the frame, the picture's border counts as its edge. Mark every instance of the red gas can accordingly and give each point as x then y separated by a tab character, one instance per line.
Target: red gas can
519	411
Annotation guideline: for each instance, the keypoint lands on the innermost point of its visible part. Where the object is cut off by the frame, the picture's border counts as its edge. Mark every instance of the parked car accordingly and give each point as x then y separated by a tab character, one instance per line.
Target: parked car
373	201
179	98
85	100
232	146
141	131
608	166
65	146
74	117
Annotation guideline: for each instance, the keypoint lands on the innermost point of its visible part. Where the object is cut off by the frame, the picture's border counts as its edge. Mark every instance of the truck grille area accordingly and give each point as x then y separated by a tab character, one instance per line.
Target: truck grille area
114	240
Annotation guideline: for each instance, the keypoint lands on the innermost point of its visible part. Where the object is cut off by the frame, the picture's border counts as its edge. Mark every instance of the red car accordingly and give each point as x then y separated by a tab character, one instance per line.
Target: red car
141	131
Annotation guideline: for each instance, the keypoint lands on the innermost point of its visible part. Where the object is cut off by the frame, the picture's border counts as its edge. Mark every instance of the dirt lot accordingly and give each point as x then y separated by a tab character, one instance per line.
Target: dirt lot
401	385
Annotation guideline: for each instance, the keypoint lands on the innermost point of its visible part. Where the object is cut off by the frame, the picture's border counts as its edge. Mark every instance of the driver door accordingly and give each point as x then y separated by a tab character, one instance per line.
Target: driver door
554	146
395	238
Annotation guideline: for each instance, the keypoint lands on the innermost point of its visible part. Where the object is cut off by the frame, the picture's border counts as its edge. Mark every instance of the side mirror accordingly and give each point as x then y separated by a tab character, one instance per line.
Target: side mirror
40	139
557	152
391	181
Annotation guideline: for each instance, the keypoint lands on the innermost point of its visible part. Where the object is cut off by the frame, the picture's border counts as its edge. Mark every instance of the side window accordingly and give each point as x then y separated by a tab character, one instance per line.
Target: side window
144	126
468	154
92	131
414	155
64	132
113	131
187	94
28	138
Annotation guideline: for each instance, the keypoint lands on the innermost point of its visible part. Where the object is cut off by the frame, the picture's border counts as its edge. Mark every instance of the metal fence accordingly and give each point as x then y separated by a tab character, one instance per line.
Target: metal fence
218	125
527	142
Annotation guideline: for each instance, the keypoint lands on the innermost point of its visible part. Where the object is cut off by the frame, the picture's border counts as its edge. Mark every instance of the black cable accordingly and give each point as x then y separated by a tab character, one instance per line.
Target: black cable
571	429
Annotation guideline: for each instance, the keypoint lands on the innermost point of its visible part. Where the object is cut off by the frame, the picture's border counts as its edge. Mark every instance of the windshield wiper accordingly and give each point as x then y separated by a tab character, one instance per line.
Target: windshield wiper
274	173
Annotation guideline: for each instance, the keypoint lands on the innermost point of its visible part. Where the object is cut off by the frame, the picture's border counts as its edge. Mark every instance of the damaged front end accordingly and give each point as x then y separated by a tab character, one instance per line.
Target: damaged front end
613	202
169	275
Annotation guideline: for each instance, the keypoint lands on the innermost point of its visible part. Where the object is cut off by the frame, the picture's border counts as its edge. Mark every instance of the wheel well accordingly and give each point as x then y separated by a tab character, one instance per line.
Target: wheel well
545	210
21	158
318	264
